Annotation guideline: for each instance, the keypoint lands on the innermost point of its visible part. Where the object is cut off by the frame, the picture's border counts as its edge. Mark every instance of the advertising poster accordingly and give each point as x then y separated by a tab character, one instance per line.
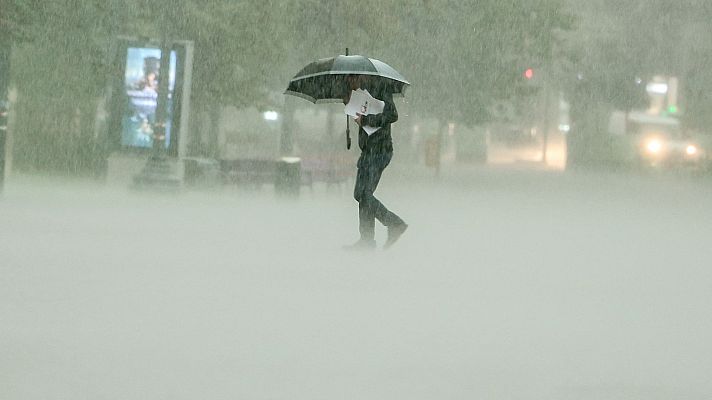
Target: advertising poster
141	85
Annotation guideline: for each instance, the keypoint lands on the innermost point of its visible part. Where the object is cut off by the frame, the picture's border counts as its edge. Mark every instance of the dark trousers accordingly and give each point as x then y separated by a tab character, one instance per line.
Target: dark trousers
370	168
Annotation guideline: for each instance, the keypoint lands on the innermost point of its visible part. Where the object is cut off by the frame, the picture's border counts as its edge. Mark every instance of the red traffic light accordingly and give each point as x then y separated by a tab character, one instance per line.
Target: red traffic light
529	73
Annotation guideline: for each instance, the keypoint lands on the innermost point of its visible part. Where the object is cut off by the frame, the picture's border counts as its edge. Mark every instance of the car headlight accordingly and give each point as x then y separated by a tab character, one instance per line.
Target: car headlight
654	146
691	150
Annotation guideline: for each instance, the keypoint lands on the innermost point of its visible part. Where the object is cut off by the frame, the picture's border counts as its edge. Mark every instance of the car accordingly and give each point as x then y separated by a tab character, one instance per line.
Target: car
655	141
670	150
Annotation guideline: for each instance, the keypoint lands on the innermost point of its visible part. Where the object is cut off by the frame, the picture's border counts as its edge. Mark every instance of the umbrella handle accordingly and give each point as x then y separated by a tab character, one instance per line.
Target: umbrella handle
348	134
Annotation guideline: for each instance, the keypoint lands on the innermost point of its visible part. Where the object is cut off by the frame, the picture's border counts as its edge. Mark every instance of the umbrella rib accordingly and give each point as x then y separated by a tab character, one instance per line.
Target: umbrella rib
302	95
312	98
346	73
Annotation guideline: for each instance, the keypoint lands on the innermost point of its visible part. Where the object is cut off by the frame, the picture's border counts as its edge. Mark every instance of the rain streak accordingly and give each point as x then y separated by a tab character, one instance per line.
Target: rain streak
309	199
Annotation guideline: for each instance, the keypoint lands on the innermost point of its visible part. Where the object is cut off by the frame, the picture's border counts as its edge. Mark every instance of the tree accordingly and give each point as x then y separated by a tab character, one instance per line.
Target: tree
470	54
63	66
56	69
460	56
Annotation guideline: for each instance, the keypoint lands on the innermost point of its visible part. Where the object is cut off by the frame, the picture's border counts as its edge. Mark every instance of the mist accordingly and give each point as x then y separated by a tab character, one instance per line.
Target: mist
509	285
551	159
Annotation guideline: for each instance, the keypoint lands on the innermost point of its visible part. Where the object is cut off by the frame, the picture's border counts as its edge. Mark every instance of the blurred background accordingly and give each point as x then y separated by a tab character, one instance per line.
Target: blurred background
550	84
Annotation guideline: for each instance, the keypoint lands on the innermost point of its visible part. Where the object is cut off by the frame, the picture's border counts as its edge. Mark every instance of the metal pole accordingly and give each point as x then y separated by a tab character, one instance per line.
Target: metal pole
348	131
5	48
547	97
545	128
286	141
159	130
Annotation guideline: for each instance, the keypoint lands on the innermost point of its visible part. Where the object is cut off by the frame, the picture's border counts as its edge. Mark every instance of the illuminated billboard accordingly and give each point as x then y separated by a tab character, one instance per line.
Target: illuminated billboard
145	110
142	78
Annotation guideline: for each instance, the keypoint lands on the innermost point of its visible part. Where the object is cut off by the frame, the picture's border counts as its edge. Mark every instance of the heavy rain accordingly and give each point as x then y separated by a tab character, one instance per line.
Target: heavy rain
178	218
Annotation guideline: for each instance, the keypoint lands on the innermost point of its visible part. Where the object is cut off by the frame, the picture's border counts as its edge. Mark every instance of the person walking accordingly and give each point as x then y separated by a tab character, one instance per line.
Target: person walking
376	154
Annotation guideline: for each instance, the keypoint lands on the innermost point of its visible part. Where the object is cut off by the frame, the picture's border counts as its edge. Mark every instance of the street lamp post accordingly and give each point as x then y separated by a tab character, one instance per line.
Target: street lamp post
4	104
548	64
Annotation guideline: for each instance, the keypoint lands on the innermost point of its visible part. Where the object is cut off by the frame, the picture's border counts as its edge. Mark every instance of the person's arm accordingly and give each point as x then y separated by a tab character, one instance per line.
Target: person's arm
388	116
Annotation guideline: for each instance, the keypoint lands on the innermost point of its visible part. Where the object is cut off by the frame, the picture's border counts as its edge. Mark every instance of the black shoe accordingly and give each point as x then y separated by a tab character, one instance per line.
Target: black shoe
394	233
362	244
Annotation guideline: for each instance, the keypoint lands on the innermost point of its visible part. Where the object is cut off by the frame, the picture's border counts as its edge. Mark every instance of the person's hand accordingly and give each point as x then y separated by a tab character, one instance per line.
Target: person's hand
358	118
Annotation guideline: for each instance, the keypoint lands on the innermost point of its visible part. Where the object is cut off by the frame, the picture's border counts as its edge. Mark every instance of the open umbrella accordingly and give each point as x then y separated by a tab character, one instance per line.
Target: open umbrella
324	80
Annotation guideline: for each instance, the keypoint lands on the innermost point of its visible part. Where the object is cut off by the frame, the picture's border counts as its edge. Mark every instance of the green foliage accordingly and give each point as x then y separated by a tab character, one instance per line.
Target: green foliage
461	56
58	68
467	55
61	63
698	93
16	19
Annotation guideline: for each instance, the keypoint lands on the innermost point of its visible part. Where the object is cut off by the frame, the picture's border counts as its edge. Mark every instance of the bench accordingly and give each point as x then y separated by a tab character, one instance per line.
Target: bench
256	172
331	171
249	172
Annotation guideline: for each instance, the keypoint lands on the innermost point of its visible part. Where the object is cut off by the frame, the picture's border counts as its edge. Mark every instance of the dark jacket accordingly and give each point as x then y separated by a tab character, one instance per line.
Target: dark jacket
380	141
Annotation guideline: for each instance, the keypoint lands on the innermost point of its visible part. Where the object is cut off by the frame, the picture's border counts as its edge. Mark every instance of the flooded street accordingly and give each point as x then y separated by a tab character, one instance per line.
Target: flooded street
509	284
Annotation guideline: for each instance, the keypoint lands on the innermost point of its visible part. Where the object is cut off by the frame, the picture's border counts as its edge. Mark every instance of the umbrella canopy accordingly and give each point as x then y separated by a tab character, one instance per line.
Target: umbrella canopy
324	80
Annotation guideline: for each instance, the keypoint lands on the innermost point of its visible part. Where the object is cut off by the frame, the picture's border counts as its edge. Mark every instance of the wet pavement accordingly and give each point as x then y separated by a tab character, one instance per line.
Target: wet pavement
509	284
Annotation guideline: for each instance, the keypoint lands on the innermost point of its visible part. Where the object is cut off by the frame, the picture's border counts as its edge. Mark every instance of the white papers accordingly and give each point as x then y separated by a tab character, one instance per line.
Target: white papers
362	103
370	129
